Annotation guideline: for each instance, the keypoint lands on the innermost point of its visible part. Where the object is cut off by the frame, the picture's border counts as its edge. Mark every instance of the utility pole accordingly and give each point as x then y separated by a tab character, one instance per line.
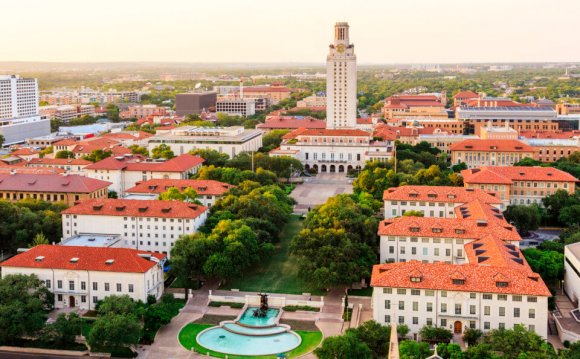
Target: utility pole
252	161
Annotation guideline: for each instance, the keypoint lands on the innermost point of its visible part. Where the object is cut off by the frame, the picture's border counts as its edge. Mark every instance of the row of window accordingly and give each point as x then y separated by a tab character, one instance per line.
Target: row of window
425	251
458	309
472	323
472	295
83	285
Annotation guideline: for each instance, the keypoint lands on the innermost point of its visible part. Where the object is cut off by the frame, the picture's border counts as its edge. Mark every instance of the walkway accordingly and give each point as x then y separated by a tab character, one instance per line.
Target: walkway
316	190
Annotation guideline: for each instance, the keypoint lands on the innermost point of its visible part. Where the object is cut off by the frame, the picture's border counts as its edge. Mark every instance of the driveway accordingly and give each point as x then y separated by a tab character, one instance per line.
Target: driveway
316	190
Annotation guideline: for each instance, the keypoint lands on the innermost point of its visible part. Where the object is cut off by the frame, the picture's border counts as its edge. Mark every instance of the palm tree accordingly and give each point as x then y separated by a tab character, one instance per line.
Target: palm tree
40	238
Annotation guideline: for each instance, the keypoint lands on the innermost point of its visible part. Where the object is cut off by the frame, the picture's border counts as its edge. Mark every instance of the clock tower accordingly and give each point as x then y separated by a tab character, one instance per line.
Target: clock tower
341	80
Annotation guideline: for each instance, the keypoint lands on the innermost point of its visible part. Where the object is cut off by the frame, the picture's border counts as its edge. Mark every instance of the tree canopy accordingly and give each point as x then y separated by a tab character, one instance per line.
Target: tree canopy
162	151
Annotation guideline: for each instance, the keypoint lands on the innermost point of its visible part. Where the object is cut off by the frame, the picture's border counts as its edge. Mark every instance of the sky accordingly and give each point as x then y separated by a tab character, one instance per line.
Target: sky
273	31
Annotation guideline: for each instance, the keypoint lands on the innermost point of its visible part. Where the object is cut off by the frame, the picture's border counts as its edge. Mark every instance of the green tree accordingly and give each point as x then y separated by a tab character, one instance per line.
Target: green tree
113	332
449	351
435	334
162	151
211	157
98	155
548	264
188	257
63	331
113	112
571	353
173	194
343	347
64	154
525	218
570	215
511	343
410	349
38	239
413	213
375	336
2	140
472	336
138	150
272	140
24	306
118	305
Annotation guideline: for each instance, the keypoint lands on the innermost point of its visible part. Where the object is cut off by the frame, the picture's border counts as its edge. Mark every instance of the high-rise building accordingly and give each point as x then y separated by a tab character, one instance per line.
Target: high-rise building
18	97
194	103
341	80
19	118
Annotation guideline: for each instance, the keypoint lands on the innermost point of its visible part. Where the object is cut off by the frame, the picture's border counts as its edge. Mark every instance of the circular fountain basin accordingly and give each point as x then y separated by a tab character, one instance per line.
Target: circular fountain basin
221	340
240	329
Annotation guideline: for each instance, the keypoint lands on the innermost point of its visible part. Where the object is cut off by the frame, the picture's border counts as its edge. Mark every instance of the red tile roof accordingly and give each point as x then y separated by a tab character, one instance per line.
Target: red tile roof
292	122
477	278
492	103
364	121
438	194
24	152
182	163
490	251
335	132
137	208
29	170
202	187
550	134
55	183
250	89
124	260
466	94
138	135
506	175
491	146
448	228
58	161
66	142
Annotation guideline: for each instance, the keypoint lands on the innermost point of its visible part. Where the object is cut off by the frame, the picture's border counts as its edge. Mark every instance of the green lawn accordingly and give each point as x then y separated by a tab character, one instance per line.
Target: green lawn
278	273
310	340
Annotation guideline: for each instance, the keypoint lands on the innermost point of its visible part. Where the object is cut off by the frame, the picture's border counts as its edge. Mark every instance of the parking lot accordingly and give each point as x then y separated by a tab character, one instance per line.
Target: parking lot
316	190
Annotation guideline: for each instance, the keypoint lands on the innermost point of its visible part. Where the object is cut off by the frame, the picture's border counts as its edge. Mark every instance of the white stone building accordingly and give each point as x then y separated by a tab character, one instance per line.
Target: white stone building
229	140
341	111
81	276
150	225
236	106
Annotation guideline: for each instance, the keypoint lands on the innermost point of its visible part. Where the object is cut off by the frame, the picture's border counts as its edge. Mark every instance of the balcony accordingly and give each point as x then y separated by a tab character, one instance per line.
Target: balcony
70	292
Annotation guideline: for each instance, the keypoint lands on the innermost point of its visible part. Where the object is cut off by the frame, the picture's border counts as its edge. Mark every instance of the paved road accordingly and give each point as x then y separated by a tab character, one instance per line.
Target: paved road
11	355
539	236
316	190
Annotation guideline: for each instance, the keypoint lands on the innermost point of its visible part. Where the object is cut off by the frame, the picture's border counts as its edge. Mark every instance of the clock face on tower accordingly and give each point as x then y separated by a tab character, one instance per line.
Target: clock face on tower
340	48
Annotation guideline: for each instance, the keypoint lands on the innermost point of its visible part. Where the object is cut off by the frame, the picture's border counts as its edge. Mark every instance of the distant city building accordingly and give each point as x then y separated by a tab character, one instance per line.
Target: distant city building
520	118
139	111
552	149
19	117
477	153
519	185
275	92
67	189
568	109
341	79
66	113
82	276
228	140
236	106
70	165
490	132
312	101
430	106
151	225
291	123
194	103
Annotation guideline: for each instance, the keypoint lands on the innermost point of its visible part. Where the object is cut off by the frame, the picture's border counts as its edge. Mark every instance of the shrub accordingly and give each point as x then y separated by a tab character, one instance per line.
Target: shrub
227	304
293	308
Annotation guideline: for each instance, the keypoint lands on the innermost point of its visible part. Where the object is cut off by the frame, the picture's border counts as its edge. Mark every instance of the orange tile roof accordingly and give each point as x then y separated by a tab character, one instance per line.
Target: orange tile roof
292	122
477	278
137	208
447	228
491	146
24	152
550	134
506	175
490	251
125	260
58	161
29	170
50	183
202	187
466	94
335	132
438	194
182	163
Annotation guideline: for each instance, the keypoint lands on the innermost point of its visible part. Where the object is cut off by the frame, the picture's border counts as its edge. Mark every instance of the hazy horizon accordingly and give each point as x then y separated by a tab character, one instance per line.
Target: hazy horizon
265	32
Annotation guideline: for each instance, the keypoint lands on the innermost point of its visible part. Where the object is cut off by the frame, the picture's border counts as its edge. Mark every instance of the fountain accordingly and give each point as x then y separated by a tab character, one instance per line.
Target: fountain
261	312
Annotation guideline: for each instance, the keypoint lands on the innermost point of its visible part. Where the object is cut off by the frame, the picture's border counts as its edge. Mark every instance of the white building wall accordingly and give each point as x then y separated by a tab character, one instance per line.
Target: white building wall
231	149
438	308
571	275
83	283
425	249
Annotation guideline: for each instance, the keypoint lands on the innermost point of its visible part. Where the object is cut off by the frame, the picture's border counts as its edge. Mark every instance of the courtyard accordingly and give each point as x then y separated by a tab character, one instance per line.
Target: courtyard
316	190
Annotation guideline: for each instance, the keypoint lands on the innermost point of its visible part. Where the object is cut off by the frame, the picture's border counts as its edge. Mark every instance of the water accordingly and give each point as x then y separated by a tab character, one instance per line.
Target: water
248	318
254	331
220	340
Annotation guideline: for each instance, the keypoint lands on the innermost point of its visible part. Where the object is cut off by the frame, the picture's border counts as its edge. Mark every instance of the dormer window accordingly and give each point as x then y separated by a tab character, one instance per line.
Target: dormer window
451	196
459	231
414	195
415	279
432	195
436	230
414	229
458	281
501	284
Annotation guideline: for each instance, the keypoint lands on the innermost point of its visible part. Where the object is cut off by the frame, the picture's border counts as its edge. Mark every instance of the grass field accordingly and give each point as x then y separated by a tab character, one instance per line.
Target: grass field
278	273
310	341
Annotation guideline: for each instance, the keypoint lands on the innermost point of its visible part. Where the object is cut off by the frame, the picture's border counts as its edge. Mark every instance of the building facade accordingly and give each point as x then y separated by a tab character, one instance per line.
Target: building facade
341	111
520	118
51	187
194	103
208	191
520	185
477	153
150	225
82	276
236	106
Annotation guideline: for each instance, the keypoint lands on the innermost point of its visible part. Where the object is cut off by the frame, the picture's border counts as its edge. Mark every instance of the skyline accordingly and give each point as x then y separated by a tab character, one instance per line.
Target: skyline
383	33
